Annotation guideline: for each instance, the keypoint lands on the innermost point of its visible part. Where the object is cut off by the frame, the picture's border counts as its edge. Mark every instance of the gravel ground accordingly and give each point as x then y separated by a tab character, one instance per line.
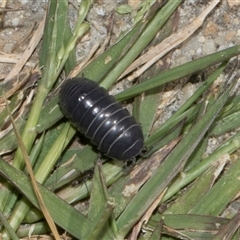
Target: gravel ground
220	30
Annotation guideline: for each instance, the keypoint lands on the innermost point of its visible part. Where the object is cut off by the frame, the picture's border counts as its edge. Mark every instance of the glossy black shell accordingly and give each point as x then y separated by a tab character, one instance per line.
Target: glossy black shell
101	118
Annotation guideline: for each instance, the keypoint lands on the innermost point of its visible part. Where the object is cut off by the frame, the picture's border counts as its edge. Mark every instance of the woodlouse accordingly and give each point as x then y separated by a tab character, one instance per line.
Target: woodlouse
101	118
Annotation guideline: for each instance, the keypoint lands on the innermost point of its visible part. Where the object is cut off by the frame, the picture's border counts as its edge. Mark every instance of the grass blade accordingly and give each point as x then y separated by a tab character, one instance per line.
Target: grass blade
169	169
60	211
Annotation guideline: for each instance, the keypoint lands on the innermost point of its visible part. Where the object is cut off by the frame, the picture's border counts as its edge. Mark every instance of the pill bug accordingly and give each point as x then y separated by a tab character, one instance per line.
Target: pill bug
101	118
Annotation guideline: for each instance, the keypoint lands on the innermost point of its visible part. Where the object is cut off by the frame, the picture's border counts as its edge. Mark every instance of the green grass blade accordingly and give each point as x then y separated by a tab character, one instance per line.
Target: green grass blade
146	105
221	194
48	31
168	124
148	34
181	71
197	190
227	148
192	226
8	227
169	169
189	115
101	207
227	124
36	229
63	214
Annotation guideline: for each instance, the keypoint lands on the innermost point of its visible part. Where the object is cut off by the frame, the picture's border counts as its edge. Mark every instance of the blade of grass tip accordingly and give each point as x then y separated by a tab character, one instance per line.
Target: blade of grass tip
147	35
98	192
197	155
33	180
101	207
47	33
174	133
226	124
65	216
12	234
232	106
188	116
180	71
169	169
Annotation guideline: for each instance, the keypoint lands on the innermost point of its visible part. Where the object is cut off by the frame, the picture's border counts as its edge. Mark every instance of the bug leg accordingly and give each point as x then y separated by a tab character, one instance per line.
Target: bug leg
99	158
86	175
128	165
144	151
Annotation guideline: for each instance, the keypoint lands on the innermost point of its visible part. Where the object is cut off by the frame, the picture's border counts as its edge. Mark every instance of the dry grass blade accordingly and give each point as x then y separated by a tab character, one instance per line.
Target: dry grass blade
13	58
28	52
16	85
146	217
33	180
168	44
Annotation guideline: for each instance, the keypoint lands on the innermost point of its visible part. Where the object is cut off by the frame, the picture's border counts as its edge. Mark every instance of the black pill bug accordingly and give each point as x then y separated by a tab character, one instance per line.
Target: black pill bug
101	118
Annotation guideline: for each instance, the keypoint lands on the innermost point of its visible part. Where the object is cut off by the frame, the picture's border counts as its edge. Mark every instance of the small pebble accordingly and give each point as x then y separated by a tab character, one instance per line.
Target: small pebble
210	29
201	39
233	3
15	22
230	35
209	47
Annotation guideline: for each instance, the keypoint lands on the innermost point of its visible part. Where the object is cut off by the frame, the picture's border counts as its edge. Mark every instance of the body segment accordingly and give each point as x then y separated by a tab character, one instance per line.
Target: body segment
101	118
